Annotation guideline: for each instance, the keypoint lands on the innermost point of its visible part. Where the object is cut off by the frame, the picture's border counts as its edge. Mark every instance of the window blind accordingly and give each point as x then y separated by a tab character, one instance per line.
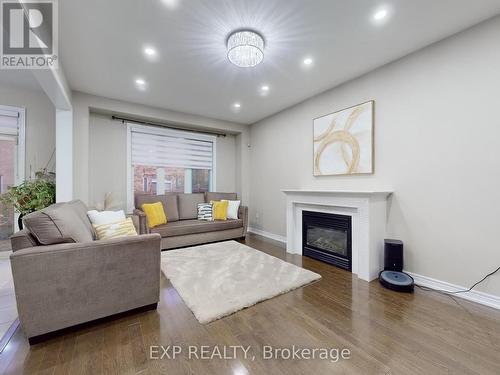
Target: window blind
9	122
171	151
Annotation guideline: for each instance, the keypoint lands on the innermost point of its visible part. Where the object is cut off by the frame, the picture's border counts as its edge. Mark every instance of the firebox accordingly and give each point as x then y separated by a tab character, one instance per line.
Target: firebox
327	237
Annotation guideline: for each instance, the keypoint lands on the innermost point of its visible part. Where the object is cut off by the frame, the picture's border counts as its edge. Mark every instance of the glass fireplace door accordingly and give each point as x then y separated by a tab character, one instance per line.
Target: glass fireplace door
327	237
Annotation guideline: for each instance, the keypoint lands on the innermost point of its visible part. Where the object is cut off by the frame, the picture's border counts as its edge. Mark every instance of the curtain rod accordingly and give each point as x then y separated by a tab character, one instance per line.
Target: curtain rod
124	119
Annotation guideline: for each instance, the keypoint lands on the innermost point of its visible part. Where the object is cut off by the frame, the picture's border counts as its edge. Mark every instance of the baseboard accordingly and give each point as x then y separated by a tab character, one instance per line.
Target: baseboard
474	296
8	335
272	236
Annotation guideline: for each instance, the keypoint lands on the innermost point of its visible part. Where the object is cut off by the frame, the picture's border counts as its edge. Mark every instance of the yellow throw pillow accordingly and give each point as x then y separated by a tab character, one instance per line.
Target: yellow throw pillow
155	214
219	210
119	229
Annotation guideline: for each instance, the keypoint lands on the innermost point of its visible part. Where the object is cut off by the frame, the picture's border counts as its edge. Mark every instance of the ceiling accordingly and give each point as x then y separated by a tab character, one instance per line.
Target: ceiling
23	79
102	42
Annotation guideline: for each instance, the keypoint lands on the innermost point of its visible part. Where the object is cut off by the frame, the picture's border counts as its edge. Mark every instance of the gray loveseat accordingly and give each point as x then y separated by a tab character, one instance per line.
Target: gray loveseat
183	228
64	277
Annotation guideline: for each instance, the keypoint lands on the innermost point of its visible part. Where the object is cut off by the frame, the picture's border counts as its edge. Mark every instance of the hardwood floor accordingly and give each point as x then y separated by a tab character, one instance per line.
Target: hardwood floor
386	333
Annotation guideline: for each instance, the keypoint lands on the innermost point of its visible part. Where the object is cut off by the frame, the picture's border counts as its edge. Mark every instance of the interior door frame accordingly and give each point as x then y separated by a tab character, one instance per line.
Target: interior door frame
20	167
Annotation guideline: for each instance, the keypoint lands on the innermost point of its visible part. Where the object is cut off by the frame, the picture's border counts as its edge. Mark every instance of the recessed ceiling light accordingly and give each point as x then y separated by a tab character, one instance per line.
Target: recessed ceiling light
140	84
308	61
237	105
149	51
380	15
172	4
264	90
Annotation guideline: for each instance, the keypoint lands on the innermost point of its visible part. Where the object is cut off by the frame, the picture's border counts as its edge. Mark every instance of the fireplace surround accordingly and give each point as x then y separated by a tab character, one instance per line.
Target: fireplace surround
368	212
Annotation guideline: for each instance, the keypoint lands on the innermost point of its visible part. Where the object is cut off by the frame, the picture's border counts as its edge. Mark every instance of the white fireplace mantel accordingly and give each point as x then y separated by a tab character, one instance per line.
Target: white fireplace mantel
368	212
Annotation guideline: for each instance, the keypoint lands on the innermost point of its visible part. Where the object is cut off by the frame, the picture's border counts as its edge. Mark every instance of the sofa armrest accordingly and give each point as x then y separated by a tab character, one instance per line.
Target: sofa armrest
22	240
243	214
135	221
143	221
58	286
114	243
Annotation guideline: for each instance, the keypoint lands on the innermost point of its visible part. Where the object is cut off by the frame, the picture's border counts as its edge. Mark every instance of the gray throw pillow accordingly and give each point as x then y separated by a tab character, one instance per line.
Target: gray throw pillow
59	223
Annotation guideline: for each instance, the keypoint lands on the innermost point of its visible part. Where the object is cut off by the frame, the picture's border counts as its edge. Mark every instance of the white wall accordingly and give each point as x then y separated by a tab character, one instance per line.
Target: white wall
107	160
64	155
437	144
90	182
40	126
226	164
108	155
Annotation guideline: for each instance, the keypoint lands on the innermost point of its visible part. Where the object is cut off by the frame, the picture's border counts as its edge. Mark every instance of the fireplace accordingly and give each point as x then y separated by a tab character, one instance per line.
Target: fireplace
368	213
327	237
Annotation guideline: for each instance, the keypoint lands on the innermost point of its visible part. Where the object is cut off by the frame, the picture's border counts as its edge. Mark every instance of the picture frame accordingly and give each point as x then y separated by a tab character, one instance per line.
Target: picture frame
343	141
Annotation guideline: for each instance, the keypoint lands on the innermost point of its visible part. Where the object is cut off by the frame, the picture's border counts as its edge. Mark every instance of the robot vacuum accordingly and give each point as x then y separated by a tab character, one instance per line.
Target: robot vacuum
397	281
393	277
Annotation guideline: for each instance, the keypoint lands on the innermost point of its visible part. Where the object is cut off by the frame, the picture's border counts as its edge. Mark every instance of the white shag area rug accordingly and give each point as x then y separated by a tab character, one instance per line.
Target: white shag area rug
219	279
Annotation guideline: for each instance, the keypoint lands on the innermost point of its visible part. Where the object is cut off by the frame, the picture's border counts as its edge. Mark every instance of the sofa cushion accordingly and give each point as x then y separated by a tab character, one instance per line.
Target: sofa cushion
70	223
59	223
188	205
221	196
183	227
41	226
81	210
169	202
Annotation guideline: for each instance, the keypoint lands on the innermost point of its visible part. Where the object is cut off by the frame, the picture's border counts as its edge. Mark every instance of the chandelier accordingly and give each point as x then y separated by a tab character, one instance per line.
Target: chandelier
245	48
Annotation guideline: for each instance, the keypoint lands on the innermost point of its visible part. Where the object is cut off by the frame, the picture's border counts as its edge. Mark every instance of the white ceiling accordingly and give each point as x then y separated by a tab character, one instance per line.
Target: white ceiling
23	79
101	46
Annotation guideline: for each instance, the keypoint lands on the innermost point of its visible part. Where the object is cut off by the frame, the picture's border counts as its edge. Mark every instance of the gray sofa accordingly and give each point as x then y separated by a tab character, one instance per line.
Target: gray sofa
183	228
64	277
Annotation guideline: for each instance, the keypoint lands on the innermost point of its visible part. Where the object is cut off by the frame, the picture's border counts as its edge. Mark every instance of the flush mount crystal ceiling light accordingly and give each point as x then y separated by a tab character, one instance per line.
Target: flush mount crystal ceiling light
245	48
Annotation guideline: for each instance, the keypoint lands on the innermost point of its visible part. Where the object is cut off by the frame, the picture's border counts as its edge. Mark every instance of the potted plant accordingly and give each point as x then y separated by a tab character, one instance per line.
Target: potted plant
31	195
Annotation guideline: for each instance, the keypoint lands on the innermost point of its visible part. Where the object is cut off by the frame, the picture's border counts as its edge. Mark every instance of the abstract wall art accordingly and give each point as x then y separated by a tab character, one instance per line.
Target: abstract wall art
343	141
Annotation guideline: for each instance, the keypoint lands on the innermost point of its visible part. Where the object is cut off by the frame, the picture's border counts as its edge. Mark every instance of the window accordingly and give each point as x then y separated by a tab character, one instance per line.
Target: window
166	160
11	161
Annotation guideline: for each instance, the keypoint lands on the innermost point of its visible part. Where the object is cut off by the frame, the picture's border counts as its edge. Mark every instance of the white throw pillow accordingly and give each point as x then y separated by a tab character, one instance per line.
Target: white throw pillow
105	217
232	209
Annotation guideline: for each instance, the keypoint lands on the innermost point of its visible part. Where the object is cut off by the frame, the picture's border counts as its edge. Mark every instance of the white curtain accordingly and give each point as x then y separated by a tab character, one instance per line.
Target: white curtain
9	123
